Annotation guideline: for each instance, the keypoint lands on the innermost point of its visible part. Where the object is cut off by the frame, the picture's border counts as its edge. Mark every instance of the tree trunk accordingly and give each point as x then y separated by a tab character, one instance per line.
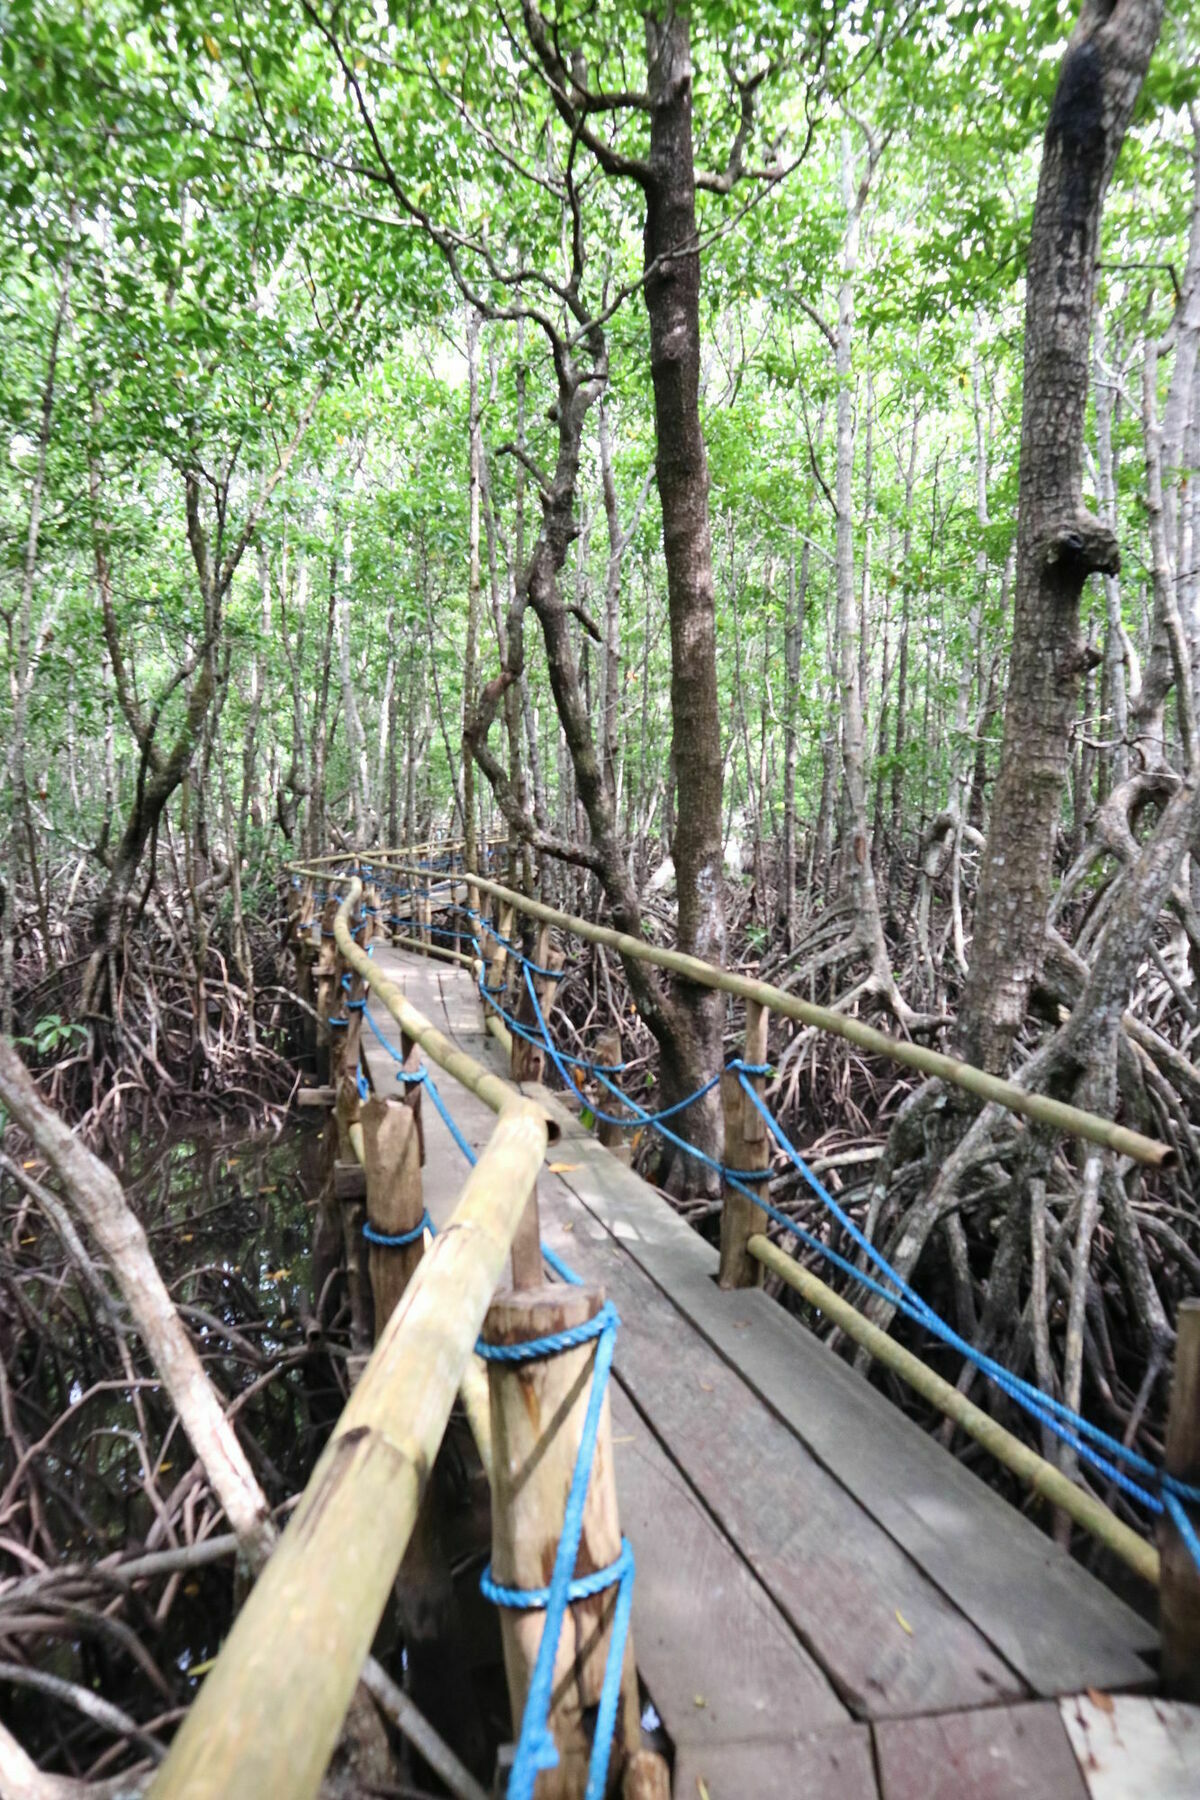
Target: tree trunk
693	1051
1058	543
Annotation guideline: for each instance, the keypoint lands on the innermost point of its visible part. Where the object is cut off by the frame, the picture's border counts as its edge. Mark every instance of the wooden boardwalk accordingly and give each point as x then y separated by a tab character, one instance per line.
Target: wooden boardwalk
827	1603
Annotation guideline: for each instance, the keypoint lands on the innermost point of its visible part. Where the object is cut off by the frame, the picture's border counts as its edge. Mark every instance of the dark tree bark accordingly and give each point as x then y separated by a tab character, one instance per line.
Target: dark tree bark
1058	544
673	304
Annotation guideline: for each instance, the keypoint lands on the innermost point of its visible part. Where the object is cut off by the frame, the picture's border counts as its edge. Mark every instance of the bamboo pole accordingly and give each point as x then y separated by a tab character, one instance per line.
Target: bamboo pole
268	1715
992	1089
1179	1593
1055	1487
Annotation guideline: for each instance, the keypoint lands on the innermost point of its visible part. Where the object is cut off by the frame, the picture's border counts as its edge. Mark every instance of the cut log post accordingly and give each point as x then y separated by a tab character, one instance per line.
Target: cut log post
609	1054
498	970
1179	1588
747	1146
529	1060
353	1212
395	1202
325	980
537	1412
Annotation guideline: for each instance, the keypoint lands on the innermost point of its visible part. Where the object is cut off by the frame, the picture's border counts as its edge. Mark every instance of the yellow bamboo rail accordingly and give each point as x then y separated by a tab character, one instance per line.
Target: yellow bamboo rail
993	1089
268	1715
1034	1470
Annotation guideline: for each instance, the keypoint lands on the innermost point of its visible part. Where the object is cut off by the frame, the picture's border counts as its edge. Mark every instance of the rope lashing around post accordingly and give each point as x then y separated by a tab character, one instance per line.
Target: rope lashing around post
397	1240
536	1749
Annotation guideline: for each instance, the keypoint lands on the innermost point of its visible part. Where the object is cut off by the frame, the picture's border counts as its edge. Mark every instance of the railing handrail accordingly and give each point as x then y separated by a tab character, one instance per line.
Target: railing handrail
1074	1121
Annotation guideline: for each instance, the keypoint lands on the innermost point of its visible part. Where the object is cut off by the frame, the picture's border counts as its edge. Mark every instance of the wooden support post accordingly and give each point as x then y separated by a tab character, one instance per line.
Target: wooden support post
395	1204
353	1210
1179	1588
325	980
537	1412
620	1141
498	969
529	1060
747	1146
425	915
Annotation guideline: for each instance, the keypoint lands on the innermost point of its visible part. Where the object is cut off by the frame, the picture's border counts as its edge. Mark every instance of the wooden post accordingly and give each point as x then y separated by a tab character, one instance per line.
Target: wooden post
537	1412
498	970
346	1123
529	1060
1179	1588
614	1138
325	980
747	1146
395	1204
425	916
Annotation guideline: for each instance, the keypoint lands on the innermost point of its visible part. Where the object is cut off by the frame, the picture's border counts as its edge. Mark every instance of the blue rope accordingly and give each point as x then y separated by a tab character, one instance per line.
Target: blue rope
396	1240
1089	1440
583	1587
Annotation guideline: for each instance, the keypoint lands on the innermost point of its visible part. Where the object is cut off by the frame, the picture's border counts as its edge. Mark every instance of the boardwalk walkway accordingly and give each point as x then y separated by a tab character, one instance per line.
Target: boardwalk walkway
827	1603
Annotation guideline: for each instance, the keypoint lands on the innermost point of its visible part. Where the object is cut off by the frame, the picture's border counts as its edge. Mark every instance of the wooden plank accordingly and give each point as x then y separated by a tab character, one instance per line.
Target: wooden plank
998	1753
720	1661
1052	1621
890	1642
817	1767
1128	1745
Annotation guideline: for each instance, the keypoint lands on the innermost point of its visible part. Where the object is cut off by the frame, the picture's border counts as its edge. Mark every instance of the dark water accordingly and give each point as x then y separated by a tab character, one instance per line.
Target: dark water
229	1219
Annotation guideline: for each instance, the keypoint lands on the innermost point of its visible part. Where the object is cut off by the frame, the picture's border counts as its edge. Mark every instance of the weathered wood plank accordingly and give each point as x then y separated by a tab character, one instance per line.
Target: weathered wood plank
1127	1745
1052	1621
720	1661
997	1753
820	1766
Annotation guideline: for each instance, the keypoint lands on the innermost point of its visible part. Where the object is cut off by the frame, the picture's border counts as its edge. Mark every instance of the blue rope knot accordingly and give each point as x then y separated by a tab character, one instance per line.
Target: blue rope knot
744	1068
356	1006
337	1021
397	1240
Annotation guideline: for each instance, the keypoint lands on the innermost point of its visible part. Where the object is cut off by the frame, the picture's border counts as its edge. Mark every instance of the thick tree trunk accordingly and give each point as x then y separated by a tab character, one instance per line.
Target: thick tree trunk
1058	544
673	304
474	467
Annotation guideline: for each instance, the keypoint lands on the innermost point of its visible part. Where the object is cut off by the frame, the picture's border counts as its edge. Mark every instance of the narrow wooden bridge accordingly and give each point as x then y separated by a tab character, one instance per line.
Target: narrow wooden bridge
826	1601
